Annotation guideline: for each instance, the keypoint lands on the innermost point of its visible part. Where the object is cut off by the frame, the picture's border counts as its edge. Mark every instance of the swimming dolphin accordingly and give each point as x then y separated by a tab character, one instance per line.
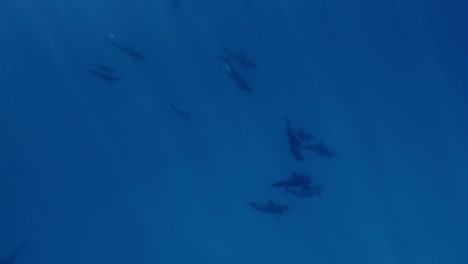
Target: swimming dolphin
293	139
320	149
104	68
303	136
270	207
308	191
104	76
296	180
12	257
181	112
231	73
129	51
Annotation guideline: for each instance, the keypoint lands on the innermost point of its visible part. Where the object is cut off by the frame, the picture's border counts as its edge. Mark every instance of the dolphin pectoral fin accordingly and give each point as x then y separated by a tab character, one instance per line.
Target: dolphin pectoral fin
280	214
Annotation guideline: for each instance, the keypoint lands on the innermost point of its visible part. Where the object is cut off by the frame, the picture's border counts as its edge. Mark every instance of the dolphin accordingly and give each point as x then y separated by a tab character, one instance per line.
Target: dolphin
270	207
181	112
104	76
296	180
320	149
307	191
129	51
104	68
294	140
231	73
12	257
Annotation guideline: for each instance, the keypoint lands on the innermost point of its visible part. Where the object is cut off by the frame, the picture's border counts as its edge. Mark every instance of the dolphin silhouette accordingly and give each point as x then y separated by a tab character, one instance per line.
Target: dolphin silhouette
105	76
179	111
233	75
296	180
270	207
129	51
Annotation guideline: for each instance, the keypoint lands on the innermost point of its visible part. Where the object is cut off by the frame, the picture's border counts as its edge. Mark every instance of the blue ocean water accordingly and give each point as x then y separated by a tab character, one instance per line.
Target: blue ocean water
106	172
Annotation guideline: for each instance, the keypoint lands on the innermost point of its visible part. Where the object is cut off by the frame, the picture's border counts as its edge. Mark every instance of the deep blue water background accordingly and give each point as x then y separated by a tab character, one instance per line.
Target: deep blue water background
92	172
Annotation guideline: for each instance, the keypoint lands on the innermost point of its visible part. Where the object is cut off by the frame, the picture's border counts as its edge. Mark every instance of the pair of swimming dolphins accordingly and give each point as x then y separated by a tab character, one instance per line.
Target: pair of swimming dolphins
108	73
231	72
294	141
297	137
298	184
104	72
